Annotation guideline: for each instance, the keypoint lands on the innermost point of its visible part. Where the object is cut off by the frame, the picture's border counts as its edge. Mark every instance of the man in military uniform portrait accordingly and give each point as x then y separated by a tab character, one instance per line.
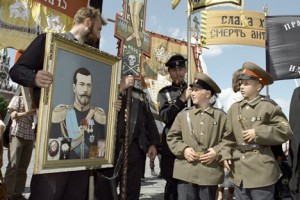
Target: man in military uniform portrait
80	125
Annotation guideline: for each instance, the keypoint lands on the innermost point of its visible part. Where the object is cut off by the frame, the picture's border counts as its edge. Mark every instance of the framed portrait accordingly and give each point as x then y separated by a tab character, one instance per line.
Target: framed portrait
76	123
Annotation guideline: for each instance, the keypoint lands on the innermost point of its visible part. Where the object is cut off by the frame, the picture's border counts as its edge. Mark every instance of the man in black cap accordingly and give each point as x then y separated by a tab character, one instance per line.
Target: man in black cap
194	139
253	125
172	99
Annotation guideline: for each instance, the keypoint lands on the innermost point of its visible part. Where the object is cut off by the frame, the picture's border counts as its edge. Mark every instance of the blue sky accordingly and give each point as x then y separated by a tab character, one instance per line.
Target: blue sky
221	60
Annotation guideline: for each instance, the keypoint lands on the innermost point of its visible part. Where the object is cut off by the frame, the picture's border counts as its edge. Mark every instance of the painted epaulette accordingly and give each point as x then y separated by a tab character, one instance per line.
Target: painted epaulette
60	112
99	115
268	99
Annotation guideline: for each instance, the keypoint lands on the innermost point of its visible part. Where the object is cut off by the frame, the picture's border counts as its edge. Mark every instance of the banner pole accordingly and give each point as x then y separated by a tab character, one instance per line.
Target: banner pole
266	10
189	77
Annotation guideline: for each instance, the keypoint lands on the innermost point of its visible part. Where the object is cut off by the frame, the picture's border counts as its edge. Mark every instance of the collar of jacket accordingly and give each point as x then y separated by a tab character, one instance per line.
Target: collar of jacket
183	85
82	108
253	102
208	110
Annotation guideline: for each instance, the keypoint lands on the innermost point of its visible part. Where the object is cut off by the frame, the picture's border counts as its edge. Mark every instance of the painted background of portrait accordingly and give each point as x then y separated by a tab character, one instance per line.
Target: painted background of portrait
66	64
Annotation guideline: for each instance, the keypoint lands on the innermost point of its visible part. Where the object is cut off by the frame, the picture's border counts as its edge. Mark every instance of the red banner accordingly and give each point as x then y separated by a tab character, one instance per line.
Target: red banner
67	7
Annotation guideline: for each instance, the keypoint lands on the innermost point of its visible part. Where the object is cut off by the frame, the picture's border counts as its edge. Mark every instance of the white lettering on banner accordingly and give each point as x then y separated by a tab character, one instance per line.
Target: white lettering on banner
60	3
291	25
295	69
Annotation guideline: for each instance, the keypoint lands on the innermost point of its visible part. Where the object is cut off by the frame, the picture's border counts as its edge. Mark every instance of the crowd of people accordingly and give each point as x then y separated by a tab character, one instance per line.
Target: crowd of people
201	145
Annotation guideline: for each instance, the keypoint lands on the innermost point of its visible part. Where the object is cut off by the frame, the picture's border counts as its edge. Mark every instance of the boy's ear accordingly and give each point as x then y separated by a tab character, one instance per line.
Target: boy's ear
259	88
208	94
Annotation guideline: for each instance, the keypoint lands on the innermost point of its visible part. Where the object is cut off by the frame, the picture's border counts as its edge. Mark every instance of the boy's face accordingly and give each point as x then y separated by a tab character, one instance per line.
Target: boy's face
250	88
200	96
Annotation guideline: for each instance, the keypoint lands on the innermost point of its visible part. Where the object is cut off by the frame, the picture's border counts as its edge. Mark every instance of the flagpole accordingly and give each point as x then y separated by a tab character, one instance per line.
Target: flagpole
189	77
266	9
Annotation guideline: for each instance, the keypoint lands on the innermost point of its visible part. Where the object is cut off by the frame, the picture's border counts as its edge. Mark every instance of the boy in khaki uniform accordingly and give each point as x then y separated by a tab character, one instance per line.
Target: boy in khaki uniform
253	124
193	139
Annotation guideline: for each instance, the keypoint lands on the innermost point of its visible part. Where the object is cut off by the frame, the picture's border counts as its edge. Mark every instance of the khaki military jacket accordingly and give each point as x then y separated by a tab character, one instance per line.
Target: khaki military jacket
209	127
255	168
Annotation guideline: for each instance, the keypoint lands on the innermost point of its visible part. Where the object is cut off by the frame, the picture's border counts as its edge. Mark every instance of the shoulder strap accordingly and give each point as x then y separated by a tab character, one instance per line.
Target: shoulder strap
189	122
240	118
204	148
169	97
19	103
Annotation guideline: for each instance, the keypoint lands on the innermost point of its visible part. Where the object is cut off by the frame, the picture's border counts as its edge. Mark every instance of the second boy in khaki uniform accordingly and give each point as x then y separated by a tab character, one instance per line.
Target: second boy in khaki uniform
254	124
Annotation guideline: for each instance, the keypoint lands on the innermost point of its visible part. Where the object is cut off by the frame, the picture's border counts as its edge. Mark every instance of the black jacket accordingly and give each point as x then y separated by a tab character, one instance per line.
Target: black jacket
32	60
295	140
143	129
169	106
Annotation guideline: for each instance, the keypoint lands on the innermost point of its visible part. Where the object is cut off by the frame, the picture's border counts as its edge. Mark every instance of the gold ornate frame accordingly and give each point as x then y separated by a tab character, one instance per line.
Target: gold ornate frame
62	58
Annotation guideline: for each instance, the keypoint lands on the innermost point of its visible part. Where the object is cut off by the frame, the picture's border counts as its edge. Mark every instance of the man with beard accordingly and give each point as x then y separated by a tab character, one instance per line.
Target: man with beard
80	124
28	71
172	99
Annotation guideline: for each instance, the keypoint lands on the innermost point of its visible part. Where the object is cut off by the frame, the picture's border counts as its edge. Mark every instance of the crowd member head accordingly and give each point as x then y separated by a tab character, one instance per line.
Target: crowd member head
177	68
82	86
88	23
235	80
253	79
203	88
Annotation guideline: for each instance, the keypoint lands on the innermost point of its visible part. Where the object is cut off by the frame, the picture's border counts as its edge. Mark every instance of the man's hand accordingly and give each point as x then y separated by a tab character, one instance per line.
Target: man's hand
190	154
186	94
227	164
43	79
32	112
118	104
208	157
152	152
126	82
249	135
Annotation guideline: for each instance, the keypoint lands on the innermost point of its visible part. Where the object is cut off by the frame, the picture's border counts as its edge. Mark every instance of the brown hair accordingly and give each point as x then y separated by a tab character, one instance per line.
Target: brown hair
235	80
87	12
